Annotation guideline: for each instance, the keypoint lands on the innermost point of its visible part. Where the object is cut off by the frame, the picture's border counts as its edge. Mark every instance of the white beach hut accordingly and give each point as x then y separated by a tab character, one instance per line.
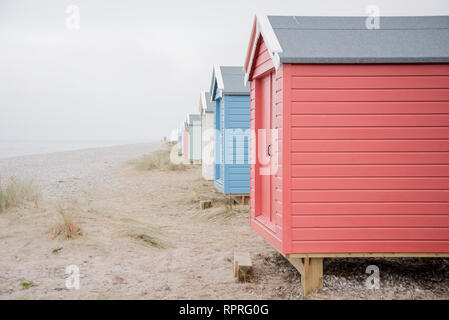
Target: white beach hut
207	111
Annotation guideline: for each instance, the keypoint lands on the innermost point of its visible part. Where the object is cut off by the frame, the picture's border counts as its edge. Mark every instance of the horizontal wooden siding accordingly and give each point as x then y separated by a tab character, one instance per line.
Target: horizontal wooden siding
369	158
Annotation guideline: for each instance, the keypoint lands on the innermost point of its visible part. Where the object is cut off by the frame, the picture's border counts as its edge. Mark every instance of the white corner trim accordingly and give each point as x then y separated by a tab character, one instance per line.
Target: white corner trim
203	101
271	41
252	48
219	77
263	27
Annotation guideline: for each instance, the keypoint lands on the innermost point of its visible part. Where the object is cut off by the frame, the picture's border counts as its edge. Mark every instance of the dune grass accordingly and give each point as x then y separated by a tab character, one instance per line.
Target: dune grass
223	210
67	228
172	143
159	160
222	206
18	192
27	284
148	235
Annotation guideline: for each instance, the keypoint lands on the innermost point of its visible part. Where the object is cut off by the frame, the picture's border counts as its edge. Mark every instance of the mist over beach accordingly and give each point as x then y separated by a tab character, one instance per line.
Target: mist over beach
18	148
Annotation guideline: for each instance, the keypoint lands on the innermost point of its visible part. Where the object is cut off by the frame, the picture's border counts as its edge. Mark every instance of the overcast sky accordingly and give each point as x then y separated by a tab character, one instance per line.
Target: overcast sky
134	68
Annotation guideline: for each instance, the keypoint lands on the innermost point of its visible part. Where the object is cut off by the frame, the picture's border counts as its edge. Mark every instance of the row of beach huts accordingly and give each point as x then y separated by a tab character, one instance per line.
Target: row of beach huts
358	150
210	137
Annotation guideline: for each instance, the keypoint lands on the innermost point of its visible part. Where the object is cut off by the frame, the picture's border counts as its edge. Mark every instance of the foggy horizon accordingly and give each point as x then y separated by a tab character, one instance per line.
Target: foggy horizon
133	70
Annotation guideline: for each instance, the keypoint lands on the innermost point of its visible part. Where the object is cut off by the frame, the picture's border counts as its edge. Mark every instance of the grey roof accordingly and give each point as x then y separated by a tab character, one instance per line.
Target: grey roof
234	80
210	106
228	80
194	118
348	40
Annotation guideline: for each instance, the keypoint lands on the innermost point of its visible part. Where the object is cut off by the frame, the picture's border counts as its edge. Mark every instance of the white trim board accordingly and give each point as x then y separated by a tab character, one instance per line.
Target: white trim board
262	27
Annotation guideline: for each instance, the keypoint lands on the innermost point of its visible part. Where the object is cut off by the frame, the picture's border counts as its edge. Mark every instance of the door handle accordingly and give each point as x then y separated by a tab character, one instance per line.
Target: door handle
269	150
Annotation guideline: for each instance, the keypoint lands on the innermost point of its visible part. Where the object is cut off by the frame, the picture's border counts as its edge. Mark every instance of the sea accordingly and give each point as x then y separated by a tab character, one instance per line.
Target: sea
17	148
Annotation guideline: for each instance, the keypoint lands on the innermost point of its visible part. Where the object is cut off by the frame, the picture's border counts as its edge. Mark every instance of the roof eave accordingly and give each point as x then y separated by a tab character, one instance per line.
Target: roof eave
235	93
218	77
262	27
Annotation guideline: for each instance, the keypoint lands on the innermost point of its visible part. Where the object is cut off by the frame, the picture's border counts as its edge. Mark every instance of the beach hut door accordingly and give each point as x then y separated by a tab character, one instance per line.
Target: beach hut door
266	151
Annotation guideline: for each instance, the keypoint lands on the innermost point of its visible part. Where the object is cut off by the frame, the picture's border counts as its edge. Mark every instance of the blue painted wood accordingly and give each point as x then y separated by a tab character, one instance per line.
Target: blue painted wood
219	166
181	142
232	123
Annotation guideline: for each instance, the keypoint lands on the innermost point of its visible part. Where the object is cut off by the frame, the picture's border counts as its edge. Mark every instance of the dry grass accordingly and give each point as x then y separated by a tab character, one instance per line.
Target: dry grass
222	206
68	227
56	250
172	143
17	193
224	211
159	160
27	284
200	190
148	235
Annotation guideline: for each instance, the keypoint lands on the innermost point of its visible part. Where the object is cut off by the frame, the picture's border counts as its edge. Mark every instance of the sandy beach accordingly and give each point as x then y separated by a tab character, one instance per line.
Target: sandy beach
144	237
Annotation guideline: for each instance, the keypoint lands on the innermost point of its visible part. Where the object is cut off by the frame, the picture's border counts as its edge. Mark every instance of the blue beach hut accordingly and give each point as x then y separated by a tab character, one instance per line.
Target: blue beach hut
181	138
232	116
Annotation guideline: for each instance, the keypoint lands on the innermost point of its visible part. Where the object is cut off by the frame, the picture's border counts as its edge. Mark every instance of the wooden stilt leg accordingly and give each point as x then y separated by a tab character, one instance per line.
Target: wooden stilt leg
311	270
